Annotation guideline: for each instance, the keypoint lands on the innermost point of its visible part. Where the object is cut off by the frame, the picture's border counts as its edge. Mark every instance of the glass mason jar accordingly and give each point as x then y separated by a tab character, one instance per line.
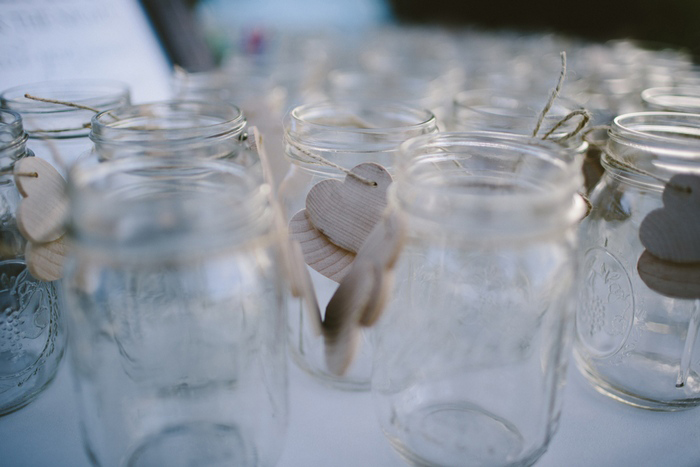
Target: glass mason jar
631	339
208	130
32	331
176	303
470	354
59	133
346	134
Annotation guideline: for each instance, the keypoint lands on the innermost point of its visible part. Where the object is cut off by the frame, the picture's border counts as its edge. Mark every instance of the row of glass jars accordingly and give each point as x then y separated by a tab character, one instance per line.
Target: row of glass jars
484	285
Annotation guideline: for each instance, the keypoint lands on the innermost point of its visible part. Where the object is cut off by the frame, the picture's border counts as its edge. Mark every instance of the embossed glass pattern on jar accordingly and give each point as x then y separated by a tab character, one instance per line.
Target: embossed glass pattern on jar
470	354
177	311
347	134
32	333
631	339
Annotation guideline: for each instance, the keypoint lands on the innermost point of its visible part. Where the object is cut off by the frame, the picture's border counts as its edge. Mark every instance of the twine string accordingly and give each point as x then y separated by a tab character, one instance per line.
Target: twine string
19	174
585	118
58	102
323	161
553	96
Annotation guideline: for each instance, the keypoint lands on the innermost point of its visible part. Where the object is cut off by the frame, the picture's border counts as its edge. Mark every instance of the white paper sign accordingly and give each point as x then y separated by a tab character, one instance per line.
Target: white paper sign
66	39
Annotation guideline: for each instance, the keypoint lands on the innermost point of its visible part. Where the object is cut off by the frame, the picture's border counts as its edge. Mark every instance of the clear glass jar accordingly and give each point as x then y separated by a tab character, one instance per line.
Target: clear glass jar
32	331
176	303
187	128
630	339
346	134
471	351
59	133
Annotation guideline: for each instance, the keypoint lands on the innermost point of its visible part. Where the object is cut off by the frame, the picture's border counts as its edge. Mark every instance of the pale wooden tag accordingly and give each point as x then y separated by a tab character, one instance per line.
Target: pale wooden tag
45	260
319	253
672	233
346	212
43	211
293	260
363	293
668	278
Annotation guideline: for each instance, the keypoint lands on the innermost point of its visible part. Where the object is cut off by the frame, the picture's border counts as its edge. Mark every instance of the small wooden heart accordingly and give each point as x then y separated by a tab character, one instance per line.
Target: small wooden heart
42	212
319	253
362	294
672	233
346	212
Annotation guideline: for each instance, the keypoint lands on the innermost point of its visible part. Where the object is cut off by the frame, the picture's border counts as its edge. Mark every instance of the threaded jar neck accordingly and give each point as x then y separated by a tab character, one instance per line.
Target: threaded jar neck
13	139
350	133
200	129
650	147
487	186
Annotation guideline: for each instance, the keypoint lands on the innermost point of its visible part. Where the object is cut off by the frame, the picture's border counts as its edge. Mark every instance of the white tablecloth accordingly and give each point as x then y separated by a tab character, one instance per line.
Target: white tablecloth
330	428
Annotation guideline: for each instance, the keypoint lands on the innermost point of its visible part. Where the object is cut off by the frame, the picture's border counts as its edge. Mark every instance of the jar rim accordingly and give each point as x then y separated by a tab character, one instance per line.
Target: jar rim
103	131
665	133
98	93
422	117
673	98
427	162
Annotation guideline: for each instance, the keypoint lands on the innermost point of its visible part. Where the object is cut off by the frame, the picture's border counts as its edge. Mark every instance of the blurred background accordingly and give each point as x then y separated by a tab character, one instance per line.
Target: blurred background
656	24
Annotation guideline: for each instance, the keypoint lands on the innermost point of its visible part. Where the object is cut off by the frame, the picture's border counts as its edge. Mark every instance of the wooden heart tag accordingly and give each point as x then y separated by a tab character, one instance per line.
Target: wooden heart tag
41	216
346	212
363	293
42	212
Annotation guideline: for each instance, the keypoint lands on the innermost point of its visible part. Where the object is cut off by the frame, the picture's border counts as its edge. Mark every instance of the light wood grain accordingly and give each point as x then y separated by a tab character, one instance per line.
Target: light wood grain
42	213
319	253
346	212
45	260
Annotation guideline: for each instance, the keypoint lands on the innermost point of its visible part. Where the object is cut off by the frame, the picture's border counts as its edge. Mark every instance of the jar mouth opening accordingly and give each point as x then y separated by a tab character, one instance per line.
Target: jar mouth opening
362	116
99	94
175	120
502	176
511	112
674	130
682	98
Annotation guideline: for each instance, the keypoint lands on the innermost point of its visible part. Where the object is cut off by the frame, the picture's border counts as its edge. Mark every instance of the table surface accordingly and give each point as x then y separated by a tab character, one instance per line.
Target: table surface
334	428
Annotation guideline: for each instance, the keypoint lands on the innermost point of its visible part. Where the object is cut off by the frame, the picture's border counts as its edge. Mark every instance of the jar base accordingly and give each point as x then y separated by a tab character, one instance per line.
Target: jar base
194	444
460	433
329	380
603	387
